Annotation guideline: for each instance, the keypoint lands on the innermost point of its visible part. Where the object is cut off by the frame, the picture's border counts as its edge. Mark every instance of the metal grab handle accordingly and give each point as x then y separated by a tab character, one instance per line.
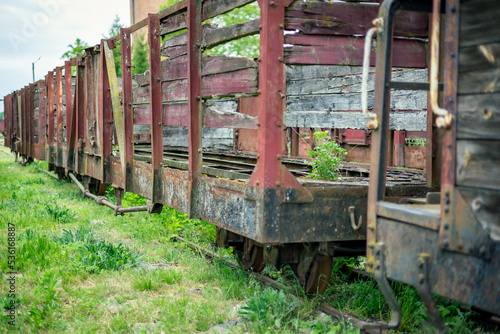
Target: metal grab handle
378	23
355	226
445	118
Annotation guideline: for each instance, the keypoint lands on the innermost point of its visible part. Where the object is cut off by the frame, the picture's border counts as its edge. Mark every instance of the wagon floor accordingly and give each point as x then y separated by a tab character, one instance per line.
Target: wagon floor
239	166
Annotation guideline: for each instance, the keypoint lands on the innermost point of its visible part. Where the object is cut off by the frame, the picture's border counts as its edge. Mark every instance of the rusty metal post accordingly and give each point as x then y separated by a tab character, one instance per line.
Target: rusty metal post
195	129
269	172
105	118
42	119
70	116
59	117
22	128
448	176
81	102
50	115
31	119
128	117
86	146
156	108
7	119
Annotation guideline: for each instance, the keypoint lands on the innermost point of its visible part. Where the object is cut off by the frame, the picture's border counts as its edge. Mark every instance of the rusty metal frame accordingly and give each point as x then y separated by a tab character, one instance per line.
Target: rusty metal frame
156	108
49	80
128	117
59	118
195	124
105	117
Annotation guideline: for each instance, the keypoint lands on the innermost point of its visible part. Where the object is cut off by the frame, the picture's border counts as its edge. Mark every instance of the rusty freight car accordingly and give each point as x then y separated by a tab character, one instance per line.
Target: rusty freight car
448	245
221	137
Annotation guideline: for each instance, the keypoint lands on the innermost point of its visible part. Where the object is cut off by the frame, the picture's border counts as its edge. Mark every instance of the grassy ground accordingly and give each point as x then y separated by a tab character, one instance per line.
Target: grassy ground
80	269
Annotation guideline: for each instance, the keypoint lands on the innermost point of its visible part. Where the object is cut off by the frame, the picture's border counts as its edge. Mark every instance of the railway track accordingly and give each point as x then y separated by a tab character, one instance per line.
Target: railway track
327	309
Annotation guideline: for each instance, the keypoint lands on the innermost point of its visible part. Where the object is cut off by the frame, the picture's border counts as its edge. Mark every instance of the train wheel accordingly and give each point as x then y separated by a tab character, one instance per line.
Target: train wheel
319	275
253	256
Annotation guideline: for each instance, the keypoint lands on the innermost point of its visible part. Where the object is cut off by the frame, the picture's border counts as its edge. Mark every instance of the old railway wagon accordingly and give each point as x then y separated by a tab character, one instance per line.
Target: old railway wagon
448	245
223	138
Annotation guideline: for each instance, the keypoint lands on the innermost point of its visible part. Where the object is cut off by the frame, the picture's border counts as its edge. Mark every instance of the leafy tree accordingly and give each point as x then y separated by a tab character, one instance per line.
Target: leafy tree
140	52
75	49
243	47
113	31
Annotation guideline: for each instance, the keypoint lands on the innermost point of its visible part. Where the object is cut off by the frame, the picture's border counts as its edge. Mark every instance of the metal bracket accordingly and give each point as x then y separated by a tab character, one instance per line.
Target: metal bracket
424	291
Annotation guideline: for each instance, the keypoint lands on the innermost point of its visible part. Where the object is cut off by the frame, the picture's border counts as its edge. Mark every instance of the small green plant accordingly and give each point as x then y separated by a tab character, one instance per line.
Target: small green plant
48	302
58	213
106	256
268	310
326	326
81	234
326	158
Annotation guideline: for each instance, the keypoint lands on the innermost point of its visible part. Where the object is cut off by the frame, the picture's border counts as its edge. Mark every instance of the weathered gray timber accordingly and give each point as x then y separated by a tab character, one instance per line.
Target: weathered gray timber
478	163
478	116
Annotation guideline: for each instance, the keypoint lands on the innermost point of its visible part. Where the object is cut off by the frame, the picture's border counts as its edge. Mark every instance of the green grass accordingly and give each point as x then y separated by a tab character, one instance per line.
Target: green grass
83	270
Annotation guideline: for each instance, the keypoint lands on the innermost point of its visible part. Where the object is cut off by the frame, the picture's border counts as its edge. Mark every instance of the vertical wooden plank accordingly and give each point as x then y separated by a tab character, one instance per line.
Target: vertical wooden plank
399	148
59	117
105	117
156	107
89	102
295	142
128	117
195	128
50	115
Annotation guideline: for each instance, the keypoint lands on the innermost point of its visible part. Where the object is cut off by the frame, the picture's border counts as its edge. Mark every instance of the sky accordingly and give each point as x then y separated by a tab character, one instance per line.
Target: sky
30	29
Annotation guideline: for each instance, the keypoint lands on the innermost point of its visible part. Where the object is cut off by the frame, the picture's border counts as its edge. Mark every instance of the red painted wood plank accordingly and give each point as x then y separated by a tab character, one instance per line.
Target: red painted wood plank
324	18
344	50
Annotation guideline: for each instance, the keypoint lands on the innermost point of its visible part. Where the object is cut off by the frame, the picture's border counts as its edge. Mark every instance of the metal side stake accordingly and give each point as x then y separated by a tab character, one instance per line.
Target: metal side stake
424	291
380	275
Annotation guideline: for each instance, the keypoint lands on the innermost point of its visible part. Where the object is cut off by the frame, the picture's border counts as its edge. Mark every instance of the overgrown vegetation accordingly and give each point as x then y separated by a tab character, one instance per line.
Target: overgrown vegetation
326	158
99	273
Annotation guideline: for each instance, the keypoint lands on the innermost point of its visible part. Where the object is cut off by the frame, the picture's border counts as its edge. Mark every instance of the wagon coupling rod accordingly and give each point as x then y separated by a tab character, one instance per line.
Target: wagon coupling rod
101	200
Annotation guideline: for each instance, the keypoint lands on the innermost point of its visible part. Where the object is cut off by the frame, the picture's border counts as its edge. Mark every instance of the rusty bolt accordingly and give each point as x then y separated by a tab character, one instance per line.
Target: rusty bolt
278	157
377	252
452	55
198	98
460	245
278	183
378	266
446	208
260	27
280	59
158	79
446	225
446	243
199	150
272	4
257	156
282	26
257	182
279	124
159	123
453	8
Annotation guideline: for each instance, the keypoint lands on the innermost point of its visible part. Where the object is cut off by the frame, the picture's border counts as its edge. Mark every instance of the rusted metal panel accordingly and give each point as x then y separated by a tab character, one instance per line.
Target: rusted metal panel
155	97
105	116
348	50
467	279
68	83
7	129
128	116
31	124
194	85
348	19
70	115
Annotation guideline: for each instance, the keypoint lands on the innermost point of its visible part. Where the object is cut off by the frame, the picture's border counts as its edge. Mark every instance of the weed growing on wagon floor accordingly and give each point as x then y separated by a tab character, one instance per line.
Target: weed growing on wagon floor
326	158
